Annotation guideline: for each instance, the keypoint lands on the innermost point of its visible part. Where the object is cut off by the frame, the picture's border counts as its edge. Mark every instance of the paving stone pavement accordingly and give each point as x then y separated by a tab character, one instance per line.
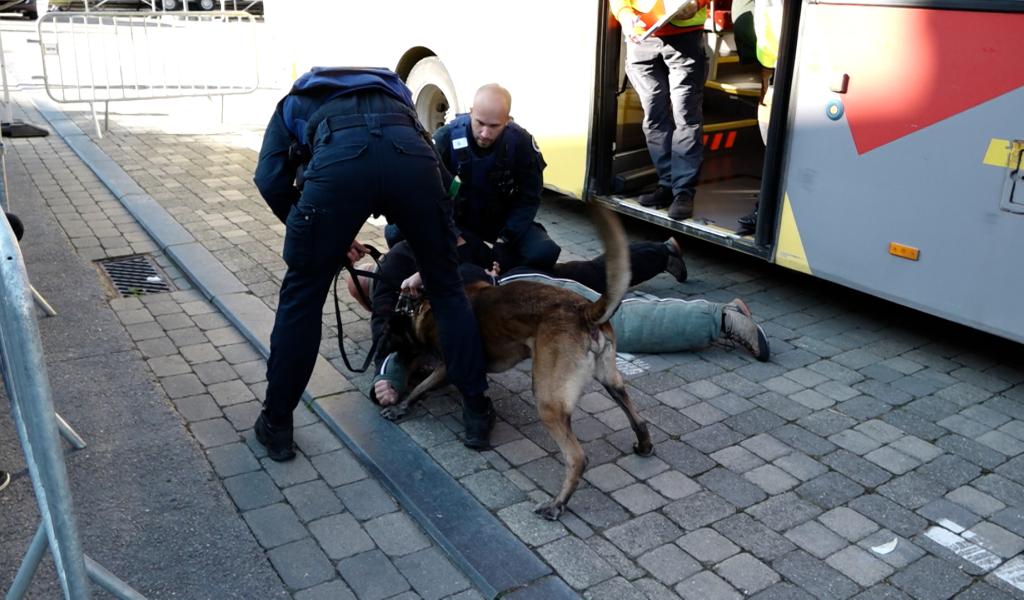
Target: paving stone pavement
880	453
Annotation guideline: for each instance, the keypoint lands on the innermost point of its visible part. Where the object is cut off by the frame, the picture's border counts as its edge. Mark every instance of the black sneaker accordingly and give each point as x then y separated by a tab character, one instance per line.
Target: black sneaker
5	478
748	223
682	207
478	427
277	440
675	265
659	198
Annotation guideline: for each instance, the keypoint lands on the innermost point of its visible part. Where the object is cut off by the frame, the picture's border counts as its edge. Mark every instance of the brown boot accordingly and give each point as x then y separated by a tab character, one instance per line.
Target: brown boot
738	326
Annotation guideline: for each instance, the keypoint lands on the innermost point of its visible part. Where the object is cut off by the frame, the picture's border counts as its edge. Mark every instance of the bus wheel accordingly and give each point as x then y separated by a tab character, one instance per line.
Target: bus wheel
433	92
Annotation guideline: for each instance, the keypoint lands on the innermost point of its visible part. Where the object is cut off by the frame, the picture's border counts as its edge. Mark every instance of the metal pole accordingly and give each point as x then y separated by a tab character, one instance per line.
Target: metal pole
96	120
8	111
28	387
29	564
43	304
108	581
68	433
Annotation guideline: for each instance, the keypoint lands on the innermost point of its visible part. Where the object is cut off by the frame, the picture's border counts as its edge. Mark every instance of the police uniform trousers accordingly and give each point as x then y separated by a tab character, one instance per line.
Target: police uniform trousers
375	167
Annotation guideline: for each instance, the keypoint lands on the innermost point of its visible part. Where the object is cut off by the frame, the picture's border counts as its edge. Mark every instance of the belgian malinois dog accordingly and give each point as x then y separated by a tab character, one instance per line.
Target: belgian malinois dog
568	337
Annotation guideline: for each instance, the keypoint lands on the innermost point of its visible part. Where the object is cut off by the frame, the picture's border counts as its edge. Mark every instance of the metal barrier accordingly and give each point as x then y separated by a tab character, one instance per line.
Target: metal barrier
28	387
156	5
116	56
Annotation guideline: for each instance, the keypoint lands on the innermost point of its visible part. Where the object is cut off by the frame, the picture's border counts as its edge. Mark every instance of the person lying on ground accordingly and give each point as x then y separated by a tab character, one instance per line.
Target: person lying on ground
642	326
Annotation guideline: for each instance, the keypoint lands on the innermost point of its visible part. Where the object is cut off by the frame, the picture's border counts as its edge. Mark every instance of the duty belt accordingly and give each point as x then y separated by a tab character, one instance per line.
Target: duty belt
339	122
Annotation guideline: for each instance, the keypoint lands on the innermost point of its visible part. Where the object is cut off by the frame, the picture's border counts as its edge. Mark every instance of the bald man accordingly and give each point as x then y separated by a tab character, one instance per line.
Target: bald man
501	169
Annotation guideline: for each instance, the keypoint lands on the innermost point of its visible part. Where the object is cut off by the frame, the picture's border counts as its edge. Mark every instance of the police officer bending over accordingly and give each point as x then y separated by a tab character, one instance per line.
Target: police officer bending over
329	159
501	169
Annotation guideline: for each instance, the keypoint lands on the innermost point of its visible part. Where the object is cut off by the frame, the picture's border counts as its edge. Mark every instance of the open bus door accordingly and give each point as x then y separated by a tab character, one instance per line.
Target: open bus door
739	169
894	162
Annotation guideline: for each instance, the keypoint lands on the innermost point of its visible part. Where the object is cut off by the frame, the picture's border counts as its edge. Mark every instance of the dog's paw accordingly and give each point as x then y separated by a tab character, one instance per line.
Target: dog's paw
644	449
550	510
394	412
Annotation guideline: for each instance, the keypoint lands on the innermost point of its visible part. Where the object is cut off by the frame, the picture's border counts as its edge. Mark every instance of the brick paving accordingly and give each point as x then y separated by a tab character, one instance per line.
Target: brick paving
871	424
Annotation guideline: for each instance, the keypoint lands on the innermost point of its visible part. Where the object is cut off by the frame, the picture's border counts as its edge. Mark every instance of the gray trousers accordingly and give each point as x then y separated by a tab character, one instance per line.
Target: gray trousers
668	75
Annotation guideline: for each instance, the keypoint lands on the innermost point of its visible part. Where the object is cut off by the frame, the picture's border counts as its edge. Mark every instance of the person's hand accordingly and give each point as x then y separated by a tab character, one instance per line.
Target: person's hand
356	251
495	270
460	241
504	255
688	10
412	284
630	21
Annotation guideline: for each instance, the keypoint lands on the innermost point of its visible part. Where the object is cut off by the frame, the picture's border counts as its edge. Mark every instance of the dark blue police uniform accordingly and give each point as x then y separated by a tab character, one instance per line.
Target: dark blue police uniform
500	192
366	155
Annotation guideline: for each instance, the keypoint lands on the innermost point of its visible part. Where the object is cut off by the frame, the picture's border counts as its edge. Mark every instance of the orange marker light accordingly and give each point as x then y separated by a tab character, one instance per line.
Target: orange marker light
903	251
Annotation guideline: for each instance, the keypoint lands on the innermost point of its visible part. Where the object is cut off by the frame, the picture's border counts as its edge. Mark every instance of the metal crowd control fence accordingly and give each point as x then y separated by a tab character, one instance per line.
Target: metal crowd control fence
28	387
116	56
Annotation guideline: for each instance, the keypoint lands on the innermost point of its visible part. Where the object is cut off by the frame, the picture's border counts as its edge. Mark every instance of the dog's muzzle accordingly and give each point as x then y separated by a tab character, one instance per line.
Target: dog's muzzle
407	305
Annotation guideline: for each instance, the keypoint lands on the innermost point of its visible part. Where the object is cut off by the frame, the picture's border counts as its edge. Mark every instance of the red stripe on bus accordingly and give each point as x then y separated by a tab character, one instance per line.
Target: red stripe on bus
716	142
730	139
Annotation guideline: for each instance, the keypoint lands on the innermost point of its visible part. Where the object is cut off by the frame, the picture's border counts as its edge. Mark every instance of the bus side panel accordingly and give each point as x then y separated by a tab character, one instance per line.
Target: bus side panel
913	152
543	52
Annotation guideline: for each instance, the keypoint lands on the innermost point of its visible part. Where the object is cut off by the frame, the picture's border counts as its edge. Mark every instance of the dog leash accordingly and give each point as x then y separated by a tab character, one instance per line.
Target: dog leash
355	274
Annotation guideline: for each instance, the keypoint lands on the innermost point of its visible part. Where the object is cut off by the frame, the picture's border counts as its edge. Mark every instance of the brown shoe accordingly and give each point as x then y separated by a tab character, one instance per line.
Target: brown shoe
739	327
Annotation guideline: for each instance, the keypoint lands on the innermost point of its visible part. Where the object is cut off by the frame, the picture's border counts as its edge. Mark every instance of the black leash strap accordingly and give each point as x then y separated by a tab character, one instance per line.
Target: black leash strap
355	274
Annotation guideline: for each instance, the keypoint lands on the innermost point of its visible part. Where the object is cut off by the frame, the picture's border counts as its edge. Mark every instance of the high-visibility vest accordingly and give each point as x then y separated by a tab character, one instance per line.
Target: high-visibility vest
768	29
650	11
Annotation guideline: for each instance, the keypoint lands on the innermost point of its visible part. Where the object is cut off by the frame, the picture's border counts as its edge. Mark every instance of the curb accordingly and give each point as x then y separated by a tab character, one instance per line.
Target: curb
496	561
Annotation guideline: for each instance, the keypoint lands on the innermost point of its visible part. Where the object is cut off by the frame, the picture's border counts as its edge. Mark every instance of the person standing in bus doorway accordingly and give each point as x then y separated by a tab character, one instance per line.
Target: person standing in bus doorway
342	145
501	170
757	30
667	71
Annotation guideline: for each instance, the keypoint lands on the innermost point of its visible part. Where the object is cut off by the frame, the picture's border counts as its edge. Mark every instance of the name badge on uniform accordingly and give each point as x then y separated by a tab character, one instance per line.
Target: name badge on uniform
459	143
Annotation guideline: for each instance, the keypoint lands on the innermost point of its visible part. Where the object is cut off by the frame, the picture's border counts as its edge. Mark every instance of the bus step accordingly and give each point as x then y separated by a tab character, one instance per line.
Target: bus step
635	179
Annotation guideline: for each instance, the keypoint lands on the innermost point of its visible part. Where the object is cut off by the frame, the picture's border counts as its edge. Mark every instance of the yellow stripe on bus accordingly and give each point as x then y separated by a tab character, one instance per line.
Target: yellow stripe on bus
999	152
789	252
727	125
567	163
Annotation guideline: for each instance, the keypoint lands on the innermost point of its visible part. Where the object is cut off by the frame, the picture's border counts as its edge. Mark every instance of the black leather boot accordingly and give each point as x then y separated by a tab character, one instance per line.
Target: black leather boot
478	421
276	439
659	198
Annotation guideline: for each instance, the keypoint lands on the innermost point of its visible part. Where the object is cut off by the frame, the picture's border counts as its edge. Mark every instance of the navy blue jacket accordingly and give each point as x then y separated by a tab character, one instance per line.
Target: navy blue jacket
501	186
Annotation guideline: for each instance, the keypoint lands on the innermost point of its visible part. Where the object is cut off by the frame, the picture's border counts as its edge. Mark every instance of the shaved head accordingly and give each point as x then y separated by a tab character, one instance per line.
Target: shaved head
493	96
489	114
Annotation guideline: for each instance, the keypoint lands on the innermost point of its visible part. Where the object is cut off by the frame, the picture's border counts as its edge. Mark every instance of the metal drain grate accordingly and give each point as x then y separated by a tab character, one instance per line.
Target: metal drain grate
135	275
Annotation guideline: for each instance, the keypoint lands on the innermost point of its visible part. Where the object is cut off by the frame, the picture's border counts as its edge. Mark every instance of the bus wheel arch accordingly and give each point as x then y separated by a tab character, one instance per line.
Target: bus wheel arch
433	92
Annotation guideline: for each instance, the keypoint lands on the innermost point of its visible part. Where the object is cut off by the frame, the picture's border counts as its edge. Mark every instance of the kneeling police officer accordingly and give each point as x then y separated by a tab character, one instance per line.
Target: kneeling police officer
345	144
501	170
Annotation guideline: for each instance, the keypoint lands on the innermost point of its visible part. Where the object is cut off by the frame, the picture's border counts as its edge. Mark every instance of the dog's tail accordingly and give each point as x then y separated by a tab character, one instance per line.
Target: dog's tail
617	273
